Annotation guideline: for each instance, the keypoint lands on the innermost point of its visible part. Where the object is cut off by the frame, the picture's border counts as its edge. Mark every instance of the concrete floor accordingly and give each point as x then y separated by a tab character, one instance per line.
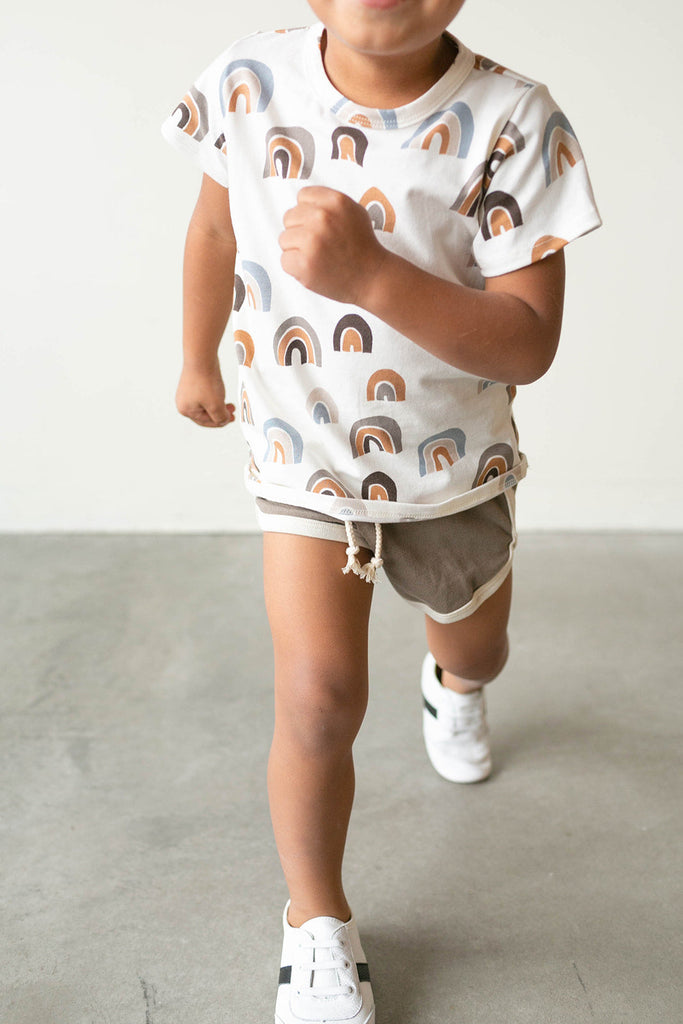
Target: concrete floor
139	882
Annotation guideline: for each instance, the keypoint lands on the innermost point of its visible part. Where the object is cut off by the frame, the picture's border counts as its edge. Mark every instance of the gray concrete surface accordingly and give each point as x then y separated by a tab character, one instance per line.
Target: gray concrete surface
139	882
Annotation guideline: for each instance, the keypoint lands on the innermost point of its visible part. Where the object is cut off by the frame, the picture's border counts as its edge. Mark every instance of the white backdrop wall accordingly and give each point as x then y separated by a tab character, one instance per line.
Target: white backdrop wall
94	210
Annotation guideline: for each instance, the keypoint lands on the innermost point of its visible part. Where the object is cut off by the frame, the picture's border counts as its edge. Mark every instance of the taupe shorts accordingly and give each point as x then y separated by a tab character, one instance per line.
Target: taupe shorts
446	567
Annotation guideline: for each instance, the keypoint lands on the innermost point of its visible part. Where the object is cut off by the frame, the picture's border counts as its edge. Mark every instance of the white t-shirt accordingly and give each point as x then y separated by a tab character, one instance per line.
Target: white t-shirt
479	176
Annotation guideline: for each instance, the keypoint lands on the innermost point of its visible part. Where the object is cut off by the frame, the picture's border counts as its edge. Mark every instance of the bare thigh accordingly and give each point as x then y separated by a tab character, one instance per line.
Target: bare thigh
474	648
319	623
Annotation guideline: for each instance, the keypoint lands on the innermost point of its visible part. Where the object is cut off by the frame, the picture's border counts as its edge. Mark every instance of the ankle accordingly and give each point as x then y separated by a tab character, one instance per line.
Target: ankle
458	685
299	913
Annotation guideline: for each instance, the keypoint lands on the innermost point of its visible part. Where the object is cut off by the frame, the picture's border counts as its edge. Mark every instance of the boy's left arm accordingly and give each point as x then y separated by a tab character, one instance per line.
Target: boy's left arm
507	332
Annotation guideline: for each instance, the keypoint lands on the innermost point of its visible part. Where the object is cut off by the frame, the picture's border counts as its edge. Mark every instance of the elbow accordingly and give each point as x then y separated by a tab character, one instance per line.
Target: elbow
539	357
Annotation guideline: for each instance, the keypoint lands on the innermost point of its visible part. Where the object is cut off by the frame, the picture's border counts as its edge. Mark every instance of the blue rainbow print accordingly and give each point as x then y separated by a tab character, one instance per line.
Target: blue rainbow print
246	83
256	286
441	451
284	443
560	147
451	129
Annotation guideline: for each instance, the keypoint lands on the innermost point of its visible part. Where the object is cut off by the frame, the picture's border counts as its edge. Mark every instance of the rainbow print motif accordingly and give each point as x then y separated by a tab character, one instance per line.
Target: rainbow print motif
482	179
441	451
290	153
284	444
321	407
495	461
349	143
295	336
245	85
352	334
452	129
380	432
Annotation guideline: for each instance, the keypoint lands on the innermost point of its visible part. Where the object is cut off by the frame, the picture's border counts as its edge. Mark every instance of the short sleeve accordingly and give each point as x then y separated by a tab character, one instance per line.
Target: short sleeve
196	125
537	194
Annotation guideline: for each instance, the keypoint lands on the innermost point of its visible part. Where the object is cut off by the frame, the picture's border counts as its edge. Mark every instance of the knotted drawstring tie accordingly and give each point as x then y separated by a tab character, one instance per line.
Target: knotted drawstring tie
367	572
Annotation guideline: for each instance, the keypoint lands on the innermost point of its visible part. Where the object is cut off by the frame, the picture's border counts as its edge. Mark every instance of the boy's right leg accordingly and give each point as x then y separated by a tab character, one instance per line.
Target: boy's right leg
319	623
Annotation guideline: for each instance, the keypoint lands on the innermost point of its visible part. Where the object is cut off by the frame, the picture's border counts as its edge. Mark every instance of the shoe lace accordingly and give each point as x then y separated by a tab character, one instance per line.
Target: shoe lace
332	964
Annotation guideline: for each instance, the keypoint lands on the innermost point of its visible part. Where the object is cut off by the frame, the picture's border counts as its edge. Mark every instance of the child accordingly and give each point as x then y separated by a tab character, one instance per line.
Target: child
386	213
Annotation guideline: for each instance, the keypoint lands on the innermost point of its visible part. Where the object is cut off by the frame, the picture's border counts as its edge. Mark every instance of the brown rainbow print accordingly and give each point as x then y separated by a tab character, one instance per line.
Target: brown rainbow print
386	386
380	210
379	487
379	431
323	482
296	337
495	461
245	86
193	114
349	144
441	451
240	293
501	213
244	348
290	153
471	194
352	334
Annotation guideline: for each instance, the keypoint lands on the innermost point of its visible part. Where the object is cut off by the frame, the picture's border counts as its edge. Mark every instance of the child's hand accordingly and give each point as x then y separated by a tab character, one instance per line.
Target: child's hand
329	244
201	397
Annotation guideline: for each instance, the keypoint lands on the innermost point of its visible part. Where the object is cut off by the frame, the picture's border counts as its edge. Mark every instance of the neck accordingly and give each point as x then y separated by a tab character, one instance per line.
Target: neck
385	81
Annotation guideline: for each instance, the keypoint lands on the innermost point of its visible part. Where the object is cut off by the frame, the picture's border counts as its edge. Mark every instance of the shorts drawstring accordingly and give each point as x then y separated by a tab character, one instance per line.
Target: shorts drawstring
367	572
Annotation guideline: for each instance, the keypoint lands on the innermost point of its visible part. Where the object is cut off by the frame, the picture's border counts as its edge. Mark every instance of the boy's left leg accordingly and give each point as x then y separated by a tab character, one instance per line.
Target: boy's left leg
473	651
464	656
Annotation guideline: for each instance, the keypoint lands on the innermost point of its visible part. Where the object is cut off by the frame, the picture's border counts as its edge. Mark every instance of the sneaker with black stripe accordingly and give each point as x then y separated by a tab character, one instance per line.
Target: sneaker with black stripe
324	975
455	729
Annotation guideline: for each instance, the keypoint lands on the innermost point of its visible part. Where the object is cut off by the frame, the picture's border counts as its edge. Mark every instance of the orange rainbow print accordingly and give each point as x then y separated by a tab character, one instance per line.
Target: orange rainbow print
495	461
560	147
349	144
386	386
244	348
380	209
475	188
441	451
352	334
290	153
245	84
295	336
379	487
321	407
380	431
447	131
284	443
323	482
546	245
245	407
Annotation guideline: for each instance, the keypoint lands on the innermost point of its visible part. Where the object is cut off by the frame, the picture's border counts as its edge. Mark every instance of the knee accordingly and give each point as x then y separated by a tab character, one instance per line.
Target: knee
476	664
319	708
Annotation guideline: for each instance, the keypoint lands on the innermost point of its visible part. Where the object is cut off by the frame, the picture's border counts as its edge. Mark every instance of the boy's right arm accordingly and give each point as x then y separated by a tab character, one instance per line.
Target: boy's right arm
208	283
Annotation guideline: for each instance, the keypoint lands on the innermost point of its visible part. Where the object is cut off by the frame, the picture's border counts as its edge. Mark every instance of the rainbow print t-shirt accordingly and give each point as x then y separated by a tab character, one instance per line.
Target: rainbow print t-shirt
479	176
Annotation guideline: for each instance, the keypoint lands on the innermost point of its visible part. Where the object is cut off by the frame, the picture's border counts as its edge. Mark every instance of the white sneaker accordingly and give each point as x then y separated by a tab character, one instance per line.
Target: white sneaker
456	732
323	974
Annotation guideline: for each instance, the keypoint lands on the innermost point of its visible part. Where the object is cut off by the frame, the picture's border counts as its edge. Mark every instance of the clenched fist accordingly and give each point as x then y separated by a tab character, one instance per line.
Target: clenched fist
329	244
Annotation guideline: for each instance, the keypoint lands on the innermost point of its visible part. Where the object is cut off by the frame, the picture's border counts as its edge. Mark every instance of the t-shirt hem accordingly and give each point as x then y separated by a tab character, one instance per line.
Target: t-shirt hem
356	510
521	259
188	146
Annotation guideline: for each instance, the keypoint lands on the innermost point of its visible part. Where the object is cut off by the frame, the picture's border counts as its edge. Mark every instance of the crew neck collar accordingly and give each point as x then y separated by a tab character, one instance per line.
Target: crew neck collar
348	112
